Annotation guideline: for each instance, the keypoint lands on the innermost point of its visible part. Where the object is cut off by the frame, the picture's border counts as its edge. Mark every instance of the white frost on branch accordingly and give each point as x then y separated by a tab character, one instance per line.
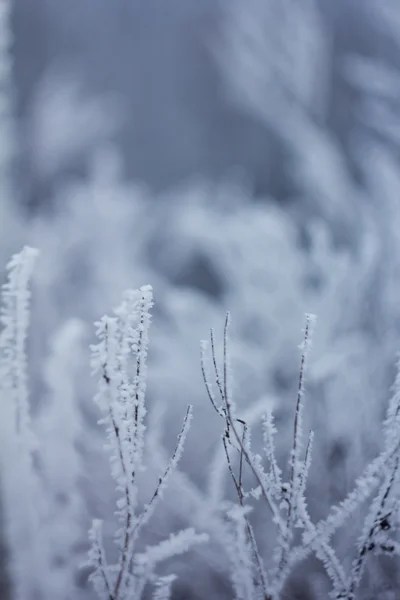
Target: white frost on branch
287	500
19	478
119	359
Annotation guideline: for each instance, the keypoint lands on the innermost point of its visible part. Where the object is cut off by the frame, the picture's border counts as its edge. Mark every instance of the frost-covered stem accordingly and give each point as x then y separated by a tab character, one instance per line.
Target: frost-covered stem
250	532
243	450
206	380
117	337
231	420
262	575
216	369
323	551
129	506
325	528
137	441
295	460
121	397
230	468
146	562
259	563
320	545
108	378
268	435
128	519
97	556
306	466
317	536
258	476
241	457
19	479
242	561
362	490
299	470
242	447
162	482
140	377
380	521
226	385
297	426
15	319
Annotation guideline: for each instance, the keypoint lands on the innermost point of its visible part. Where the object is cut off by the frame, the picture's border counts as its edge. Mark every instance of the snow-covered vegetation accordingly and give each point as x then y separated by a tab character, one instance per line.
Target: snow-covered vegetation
35	523
267	139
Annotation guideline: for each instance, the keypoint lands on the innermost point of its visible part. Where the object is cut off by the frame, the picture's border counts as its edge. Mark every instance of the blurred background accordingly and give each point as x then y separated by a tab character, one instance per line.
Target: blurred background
235	155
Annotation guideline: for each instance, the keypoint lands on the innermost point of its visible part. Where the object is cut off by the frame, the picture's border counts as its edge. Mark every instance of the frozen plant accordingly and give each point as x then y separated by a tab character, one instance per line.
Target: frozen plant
19	480
297	536
119	359
32	449
41	537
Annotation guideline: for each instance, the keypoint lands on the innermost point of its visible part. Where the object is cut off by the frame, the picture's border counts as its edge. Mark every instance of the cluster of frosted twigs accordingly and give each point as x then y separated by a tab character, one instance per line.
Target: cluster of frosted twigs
119	362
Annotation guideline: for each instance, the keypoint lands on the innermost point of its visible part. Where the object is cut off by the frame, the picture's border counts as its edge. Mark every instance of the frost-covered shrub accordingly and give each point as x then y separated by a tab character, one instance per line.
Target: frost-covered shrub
121	398
40	465
253	260
19	479
283	491
44	534
43	509
268	280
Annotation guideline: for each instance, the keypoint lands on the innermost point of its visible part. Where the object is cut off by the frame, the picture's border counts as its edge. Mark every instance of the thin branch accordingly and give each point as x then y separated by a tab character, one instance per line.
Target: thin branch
381	522
207	382
149	508
216	369
250	532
